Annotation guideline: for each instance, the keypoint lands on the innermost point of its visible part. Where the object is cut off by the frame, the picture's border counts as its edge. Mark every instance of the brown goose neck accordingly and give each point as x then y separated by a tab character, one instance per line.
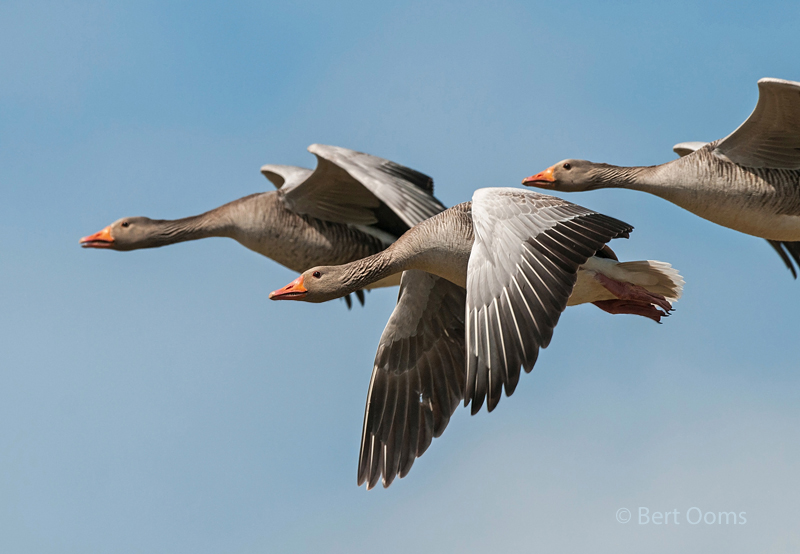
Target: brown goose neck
213	223
362	273
635	177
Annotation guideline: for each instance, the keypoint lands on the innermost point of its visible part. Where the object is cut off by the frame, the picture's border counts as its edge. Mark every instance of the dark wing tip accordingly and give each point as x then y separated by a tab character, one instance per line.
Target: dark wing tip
784	249
416	178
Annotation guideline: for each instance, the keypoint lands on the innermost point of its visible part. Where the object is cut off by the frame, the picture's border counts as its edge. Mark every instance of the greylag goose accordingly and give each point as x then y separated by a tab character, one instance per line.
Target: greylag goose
483	286
748	181
788	251
352	205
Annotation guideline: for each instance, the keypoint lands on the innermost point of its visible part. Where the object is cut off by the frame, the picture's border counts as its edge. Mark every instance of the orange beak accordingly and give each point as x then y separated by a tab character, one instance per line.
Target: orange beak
293	291
101	239
543	180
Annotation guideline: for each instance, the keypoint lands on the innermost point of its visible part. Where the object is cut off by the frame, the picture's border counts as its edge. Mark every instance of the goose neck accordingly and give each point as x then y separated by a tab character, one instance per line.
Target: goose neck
214	223
642	178
362	273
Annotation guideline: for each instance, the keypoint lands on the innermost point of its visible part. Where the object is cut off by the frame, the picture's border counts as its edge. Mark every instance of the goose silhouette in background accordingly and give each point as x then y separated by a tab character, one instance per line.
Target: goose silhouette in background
351	206
483	286
748	181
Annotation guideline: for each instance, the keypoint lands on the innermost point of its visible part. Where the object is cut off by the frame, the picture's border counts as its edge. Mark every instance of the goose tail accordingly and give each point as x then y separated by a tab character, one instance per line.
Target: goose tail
657	277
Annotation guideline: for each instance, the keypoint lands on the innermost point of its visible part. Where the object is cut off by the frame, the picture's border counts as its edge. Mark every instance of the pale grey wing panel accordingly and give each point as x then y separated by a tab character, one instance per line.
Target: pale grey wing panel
418	377
332	194
345	158
285	176
348	186
685	148
407	192
770	137
522	268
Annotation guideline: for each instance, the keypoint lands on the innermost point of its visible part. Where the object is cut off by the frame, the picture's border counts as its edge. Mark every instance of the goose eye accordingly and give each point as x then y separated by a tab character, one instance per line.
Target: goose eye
567	166
316	275
125	224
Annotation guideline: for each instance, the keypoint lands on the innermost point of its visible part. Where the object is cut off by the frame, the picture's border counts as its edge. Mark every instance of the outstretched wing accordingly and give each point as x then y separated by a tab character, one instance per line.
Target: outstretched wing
522	268
418	378
770	137
285	176
352	187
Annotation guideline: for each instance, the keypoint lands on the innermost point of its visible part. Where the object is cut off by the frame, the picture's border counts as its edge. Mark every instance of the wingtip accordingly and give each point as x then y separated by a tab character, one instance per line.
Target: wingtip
325	150
777	81
785	250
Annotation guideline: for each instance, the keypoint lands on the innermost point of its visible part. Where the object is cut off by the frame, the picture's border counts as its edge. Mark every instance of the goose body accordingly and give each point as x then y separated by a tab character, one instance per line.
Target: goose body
763	202
483	286
351	206
748	181
264	224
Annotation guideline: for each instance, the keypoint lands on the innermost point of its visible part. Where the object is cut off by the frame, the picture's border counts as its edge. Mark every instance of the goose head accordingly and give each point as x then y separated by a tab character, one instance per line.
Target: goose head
318	284
128	233
569	176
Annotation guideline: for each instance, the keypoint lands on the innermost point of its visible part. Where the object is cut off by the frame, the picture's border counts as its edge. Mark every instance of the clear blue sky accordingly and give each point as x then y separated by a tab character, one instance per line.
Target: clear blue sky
157	401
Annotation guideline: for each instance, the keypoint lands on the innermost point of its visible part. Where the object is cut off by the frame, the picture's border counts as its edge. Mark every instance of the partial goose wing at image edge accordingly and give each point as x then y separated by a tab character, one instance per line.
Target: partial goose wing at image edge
770	137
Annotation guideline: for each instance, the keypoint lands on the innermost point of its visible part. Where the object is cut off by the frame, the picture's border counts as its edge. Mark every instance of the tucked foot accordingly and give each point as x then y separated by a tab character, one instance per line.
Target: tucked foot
634	307
629	291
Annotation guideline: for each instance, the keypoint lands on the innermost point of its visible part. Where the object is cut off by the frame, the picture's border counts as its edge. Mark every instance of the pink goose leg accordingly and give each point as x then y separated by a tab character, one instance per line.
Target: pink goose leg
632	299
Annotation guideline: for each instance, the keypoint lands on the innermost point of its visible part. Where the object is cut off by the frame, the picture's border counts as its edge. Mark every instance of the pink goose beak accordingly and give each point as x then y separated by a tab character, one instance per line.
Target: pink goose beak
293	291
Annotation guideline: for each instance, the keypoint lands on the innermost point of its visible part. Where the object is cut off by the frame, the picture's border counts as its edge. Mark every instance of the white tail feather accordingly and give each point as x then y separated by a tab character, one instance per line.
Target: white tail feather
657	277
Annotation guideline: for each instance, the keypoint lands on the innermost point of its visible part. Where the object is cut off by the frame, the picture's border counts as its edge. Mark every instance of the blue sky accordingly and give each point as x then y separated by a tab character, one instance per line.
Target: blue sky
156	401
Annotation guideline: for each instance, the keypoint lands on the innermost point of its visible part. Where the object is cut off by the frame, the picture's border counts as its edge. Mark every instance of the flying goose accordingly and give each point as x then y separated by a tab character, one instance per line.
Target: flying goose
483	286
748	181
352	205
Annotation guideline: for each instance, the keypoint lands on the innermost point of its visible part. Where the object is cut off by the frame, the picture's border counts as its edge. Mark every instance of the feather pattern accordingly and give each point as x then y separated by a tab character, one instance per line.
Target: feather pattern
418	377
350	187
524	263
770	137
783	248
517	252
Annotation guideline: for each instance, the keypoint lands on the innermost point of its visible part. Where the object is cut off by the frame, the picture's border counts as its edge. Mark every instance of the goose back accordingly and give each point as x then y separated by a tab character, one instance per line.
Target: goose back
763	202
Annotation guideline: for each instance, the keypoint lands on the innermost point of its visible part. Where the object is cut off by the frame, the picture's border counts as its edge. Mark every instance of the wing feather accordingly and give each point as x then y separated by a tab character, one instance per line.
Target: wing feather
770	137
285	177
418	377
353	187
522	268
